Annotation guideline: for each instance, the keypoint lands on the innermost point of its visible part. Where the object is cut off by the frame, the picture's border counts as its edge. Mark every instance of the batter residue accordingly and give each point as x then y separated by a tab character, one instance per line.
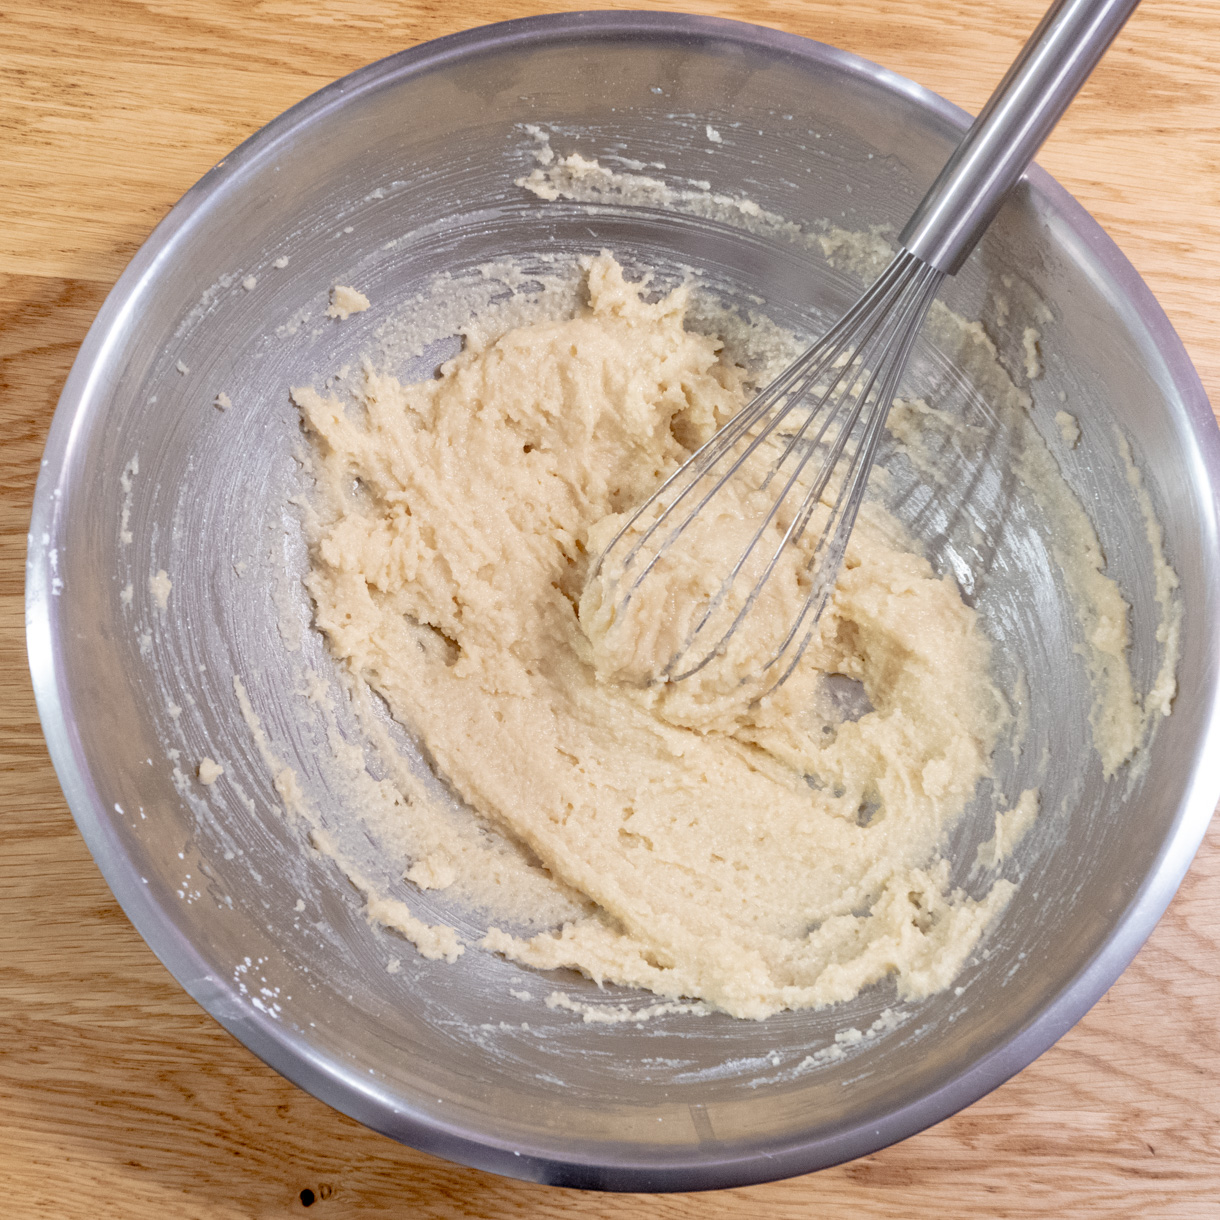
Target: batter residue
765	857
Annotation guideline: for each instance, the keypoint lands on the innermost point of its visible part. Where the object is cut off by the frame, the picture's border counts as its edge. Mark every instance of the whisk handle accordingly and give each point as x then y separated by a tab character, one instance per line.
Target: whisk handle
1018	117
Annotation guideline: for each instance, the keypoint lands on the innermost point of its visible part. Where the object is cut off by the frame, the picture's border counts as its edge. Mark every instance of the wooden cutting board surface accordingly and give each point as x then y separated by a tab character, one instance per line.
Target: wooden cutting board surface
118	1096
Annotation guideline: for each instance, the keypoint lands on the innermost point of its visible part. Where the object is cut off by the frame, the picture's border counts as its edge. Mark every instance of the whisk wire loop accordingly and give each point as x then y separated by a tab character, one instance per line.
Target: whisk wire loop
858	389
896	319
844	385
851	492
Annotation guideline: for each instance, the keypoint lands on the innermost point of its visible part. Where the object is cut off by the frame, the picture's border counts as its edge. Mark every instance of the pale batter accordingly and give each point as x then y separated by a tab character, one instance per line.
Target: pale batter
756	857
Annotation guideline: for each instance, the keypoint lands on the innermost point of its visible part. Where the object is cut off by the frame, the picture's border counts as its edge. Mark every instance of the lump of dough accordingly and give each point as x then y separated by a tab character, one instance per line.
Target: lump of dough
159	586
209	771
346	301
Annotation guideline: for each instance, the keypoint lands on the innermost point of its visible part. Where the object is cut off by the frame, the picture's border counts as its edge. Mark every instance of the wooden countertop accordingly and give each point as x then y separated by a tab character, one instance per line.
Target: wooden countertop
118	1096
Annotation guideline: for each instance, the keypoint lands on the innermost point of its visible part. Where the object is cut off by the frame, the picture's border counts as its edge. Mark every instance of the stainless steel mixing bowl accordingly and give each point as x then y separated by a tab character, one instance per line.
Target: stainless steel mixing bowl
406	169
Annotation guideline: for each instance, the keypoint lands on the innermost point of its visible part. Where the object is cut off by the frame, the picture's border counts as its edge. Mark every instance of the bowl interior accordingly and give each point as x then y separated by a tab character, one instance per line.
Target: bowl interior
407	171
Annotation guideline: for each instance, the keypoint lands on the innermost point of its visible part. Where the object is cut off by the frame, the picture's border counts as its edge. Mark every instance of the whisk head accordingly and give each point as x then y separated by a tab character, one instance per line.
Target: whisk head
734	557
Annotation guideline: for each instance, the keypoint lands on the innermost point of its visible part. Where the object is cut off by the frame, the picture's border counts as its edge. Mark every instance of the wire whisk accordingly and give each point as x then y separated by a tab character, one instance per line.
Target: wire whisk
736	554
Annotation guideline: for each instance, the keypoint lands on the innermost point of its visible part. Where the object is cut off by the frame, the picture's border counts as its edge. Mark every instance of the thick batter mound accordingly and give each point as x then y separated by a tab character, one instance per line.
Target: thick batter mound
763	857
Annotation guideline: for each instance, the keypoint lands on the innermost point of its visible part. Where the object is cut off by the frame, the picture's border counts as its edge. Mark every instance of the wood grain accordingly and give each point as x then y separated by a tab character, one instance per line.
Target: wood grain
118	1096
